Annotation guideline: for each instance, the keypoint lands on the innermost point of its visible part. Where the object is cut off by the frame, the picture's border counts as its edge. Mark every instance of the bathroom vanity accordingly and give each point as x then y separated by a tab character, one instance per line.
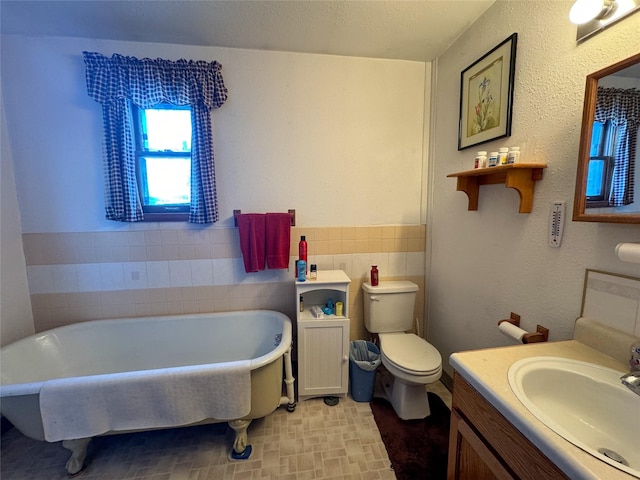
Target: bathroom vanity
323	343
493	435
484	445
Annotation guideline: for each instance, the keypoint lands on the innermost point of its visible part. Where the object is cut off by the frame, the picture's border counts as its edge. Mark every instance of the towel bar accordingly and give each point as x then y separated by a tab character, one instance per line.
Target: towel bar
291	212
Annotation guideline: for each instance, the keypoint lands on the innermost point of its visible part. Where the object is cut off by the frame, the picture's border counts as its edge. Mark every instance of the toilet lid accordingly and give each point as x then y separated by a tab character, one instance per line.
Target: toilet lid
410	352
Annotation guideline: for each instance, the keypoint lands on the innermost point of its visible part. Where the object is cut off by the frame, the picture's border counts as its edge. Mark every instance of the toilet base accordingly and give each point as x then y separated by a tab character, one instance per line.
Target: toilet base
410	402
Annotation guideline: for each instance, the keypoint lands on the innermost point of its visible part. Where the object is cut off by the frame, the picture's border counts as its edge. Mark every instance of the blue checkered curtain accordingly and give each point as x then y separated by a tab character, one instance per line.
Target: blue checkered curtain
118	83
622	108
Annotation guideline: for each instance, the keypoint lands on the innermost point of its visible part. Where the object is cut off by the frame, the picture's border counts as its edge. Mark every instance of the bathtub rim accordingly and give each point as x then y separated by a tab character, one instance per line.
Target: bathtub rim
30	388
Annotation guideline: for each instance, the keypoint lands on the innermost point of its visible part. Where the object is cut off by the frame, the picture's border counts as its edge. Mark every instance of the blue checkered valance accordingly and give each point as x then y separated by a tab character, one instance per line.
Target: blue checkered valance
120	82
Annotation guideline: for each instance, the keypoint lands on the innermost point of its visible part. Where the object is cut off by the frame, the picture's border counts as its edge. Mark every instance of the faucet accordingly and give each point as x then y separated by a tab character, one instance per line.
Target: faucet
632	379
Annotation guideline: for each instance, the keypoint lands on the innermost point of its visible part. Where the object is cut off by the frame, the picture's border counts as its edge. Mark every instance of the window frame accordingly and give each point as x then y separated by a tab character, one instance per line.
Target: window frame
157	213
603	152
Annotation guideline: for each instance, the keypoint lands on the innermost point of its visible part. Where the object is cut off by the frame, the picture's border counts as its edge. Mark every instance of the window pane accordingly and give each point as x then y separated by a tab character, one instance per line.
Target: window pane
596	139
168	130
609	142
168	180
595	178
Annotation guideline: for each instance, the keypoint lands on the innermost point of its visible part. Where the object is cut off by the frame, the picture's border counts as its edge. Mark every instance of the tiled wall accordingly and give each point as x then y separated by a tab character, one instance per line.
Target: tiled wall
178	269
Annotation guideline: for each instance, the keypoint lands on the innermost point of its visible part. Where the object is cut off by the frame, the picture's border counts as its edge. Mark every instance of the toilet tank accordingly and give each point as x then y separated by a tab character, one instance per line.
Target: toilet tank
389	306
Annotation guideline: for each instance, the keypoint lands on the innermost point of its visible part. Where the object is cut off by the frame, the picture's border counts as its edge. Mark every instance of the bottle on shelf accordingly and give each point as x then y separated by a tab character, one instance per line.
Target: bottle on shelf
302	251
514	155
374	275
503	153
493	159
481	159
302	270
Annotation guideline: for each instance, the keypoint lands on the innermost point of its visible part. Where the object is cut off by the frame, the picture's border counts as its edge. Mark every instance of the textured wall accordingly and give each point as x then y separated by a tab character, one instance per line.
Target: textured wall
317	133
339	139
487	263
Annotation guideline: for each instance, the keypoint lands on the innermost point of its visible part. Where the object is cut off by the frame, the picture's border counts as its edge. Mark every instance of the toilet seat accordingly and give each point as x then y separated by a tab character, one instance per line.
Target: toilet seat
410	354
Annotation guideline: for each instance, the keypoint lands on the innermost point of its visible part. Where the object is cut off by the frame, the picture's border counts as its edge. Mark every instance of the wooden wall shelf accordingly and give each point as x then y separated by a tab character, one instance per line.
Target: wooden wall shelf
520	176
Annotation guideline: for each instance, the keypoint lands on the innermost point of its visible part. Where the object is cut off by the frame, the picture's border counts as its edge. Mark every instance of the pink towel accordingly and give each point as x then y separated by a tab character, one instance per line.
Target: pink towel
251	227
278	238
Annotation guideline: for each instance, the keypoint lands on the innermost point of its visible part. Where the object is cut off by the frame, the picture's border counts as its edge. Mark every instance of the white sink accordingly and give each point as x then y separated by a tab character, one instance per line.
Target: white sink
584	403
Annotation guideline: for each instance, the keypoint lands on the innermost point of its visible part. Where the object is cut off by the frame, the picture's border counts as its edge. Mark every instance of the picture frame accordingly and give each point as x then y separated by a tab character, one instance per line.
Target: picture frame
486	95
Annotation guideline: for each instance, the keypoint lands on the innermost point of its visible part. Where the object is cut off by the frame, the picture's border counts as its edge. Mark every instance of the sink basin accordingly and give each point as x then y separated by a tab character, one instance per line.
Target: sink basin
584	403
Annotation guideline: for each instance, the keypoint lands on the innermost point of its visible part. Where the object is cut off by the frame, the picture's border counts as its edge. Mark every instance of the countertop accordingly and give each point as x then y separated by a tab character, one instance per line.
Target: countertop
486	370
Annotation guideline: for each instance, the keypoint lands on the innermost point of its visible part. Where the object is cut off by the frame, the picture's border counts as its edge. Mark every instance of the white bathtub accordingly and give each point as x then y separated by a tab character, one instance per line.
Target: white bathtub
163	348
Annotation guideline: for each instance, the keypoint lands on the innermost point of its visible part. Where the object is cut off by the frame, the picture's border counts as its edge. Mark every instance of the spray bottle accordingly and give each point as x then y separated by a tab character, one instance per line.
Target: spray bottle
302	251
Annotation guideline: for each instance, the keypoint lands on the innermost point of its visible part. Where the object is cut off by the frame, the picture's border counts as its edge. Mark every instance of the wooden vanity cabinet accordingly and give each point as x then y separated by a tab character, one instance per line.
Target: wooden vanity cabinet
483	445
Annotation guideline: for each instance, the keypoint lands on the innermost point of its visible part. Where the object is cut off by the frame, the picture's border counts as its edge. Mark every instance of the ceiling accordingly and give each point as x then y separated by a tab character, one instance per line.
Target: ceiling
406	30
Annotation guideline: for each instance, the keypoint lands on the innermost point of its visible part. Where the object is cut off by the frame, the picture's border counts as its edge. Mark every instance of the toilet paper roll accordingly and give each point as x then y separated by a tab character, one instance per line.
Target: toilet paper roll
511	331
628	252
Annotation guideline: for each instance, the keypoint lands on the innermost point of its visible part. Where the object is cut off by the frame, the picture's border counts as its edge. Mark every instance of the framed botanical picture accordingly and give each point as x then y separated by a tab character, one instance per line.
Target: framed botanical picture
486	96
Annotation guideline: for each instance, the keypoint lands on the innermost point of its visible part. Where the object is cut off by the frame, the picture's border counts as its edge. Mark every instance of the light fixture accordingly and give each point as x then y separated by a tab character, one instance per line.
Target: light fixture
584	11
593	16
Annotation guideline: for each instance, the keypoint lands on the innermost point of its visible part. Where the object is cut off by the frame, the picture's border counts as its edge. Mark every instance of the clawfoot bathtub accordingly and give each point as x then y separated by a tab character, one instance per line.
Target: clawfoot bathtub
114	376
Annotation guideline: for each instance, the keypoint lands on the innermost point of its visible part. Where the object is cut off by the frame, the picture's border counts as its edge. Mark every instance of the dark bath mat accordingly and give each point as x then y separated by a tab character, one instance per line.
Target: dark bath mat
417	448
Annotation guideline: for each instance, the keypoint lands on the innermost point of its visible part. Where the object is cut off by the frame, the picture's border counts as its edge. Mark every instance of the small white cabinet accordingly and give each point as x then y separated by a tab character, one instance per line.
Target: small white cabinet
323	343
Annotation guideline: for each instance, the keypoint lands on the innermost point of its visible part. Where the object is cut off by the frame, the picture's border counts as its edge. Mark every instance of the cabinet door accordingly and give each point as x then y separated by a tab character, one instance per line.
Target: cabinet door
481	435
323	367
469	457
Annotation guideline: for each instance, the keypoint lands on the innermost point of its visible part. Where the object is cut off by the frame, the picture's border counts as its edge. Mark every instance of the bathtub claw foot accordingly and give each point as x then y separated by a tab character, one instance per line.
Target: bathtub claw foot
78	448
241	456
241	450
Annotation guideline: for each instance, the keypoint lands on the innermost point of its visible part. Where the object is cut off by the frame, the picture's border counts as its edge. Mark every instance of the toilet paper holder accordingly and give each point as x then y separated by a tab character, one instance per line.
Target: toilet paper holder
540	335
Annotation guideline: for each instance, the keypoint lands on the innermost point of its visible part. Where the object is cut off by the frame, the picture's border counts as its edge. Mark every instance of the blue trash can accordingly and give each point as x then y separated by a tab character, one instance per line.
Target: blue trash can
364	359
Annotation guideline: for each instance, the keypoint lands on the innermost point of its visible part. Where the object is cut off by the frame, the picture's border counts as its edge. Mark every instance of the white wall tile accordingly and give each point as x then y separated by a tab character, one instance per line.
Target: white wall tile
135	275
112	276
343	262
223	273
180	273
398	264
40	279
323	262
89	279
201	272
158	274
361	266
381	260
65	279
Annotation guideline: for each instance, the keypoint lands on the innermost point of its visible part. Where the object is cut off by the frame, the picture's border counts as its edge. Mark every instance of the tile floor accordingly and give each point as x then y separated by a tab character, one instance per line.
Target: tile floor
314	442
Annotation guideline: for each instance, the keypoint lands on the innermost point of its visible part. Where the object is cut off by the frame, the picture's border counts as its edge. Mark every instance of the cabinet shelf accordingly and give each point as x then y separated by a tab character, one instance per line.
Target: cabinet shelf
520	176
306	316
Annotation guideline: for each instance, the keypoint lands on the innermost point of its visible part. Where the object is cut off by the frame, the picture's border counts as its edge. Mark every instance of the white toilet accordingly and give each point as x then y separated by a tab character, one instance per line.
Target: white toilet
413	362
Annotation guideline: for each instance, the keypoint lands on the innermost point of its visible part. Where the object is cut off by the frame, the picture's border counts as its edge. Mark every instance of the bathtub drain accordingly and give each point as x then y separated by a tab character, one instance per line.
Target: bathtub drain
613	456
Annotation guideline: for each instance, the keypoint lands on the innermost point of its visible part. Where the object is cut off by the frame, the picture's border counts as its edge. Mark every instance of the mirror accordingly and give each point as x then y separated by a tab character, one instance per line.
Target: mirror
608	178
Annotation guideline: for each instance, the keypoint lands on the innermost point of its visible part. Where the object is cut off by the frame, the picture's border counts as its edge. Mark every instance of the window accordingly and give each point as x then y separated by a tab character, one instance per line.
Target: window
129	89
163	161
601	164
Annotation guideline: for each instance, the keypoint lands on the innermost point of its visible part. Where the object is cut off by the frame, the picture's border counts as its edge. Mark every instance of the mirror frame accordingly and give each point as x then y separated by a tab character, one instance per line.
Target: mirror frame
580	201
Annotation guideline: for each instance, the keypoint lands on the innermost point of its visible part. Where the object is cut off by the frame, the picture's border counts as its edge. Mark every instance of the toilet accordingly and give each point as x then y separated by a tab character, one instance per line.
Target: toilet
411	360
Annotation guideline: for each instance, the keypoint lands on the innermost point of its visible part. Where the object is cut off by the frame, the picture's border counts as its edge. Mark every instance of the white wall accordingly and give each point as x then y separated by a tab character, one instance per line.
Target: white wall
488	263
16	319
339	139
